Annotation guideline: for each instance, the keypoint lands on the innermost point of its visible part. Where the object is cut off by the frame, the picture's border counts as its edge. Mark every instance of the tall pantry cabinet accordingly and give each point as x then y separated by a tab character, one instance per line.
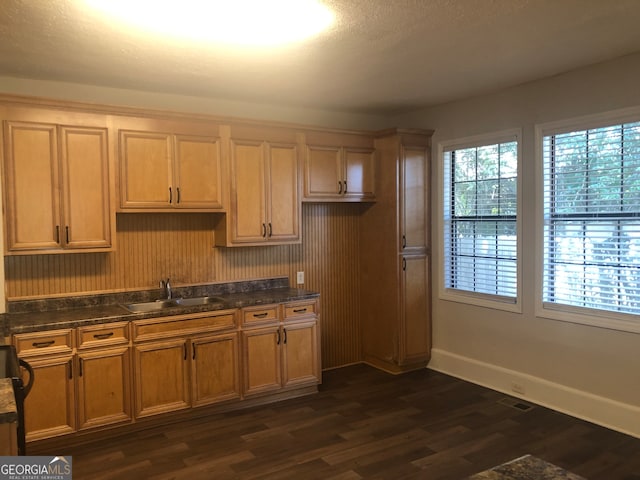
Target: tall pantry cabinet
395	255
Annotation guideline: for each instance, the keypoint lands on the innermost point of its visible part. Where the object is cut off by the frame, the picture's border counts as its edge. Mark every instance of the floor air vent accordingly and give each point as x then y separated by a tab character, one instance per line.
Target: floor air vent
516	403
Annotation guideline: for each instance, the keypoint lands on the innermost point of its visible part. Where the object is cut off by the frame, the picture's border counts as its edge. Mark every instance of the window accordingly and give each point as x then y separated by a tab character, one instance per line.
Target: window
480	220
591	219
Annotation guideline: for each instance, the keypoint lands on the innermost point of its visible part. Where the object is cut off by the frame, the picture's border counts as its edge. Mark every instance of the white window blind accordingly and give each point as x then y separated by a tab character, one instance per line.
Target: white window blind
592	218
480	220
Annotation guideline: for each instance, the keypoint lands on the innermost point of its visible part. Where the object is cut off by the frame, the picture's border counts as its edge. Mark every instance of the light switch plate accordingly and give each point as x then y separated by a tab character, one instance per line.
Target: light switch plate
300	278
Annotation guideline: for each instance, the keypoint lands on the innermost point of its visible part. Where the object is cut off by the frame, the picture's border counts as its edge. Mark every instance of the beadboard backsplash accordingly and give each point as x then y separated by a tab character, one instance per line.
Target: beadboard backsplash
180	246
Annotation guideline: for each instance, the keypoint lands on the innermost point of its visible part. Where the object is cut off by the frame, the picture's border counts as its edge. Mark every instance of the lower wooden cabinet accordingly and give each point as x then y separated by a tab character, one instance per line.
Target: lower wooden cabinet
161	377
215	369
185	361
284	353
50	406
104	391
75	389
111	374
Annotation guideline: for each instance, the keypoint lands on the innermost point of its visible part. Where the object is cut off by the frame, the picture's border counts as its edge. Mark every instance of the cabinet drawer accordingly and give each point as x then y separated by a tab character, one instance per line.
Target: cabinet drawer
103	335
260	315
300	309
177	325
47	342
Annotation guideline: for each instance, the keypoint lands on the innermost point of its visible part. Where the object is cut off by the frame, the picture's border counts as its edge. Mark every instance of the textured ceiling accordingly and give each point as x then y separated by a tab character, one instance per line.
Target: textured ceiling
381	56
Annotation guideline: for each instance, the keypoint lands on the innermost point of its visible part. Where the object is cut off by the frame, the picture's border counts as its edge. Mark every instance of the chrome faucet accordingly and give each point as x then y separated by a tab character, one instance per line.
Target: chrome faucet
167	288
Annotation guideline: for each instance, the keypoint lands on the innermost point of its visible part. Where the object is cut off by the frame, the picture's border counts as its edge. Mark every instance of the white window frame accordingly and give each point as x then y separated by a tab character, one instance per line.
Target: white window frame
497	302
581	315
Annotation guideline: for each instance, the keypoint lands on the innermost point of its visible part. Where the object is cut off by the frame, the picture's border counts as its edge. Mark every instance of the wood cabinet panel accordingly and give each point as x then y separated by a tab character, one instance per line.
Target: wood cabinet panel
145	169
262	360
415	331
249	190
32	178
283	206
50	406
265	204
359	175
413	190
300	353
395	298
104	392
85	175
339	167
198	172
323	172
57	188
161	377
215	369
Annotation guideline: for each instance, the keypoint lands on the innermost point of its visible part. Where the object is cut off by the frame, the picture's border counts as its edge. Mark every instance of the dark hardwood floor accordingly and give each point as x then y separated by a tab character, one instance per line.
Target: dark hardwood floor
364	424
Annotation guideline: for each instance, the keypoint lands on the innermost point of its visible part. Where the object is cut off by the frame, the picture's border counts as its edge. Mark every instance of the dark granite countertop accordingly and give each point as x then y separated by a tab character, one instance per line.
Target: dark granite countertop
527	467
71	312
8	409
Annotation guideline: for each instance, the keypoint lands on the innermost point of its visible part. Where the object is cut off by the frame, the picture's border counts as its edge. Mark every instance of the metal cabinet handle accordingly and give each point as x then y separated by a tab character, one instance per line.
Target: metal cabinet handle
80	362
194	351
184	349
260	315
404	264
264	230
345	187
57	233
339	187
48	343
270	230
404	241
278	340
178	192
285	335
170	195
67	233
299	310
102	336
70	367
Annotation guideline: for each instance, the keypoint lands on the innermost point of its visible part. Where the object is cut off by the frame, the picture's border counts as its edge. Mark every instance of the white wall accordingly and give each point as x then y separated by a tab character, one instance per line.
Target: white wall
591	372
187	104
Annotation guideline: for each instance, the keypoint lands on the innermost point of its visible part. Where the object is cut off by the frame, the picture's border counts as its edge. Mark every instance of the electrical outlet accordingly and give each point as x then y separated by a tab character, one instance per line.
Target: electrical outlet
517	388
300	278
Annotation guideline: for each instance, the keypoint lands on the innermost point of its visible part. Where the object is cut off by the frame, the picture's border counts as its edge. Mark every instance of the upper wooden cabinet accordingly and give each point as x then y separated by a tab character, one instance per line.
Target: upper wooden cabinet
265	203
56	183
339	167
169	165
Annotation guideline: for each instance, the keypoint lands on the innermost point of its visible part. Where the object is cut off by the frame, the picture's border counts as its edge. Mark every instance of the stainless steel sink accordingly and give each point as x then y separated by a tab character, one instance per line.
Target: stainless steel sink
168	303
150	306
197	301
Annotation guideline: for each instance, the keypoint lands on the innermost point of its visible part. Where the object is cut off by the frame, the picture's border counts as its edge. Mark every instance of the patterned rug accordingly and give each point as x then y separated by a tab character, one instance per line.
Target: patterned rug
526	468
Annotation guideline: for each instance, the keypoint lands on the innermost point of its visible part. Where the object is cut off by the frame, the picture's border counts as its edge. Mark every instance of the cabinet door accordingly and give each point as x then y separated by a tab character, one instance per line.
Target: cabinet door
415	322
413	198
104	395
32	186
50	406
284	203
161	377
85	181
215	373
248	209
300	353
145	170
198	177
359	168
323	173
261	358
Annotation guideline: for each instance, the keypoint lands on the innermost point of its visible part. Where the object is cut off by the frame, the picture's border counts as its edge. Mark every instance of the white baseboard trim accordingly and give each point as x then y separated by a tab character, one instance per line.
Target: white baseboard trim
622	417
